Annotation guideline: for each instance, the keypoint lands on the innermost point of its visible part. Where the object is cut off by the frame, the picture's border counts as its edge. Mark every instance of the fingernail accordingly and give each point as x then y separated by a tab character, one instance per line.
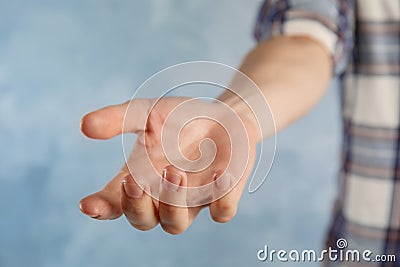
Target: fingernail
223	182
132	190
171	181
94	216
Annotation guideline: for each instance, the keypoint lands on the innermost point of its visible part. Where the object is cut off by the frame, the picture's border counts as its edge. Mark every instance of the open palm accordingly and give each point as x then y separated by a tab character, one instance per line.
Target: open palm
178	169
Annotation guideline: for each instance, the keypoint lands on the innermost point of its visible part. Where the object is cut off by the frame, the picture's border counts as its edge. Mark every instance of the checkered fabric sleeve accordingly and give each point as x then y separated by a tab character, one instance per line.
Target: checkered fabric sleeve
331	22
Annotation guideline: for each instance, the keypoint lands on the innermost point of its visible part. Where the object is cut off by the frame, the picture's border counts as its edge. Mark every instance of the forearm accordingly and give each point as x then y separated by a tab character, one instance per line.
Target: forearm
292	74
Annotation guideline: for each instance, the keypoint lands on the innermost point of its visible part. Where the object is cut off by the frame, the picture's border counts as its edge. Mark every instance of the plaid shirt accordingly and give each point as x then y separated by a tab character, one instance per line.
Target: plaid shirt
363	38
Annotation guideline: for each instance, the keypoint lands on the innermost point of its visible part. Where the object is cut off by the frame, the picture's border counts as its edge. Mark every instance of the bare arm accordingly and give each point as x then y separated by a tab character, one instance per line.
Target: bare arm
292	72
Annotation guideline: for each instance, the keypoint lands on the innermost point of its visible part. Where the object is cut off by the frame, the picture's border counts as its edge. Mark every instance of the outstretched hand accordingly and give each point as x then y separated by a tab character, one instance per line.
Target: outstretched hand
131	196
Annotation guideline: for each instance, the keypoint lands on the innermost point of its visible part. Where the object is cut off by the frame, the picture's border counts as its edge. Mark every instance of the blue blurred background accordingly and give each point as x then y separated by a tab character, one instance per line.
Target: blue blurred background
61	59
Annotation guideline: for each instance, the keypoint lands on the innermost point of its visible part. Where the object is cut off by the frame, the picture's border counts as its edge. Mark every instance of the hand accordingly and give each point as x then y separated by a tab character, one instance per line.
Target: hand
123	194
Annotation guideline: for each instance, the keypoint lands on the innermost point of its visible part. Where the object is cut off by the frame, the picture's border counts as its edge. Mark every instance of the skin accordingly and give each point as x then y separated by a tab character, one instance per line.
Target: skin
292	73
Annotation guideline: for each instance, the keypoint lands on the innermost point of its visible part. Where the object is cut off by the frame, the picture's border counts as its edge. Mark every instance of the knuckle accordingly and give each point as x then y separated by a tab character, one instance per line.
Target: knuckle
223	213
139	211
134	210
170	209
173	220
222	218
142	227
174	229
224	207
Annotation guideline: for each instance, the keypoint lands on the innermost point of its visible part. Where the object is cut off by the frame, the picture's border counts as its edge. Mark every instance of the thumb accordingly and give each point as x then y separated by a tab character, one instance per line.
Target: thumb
108	122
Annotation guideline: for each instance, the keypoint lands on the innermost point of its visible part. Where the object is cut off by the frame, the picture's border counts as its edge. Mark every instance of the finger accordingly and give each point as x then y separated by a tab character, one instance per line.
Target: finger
173	219
106	203
108	122
137	205
102	205
225	208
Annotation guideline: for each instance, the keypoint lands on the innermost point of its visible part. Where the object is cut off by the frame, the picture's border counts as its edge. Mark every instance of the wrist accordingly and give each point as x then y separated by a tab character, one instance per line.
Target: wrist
248	116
